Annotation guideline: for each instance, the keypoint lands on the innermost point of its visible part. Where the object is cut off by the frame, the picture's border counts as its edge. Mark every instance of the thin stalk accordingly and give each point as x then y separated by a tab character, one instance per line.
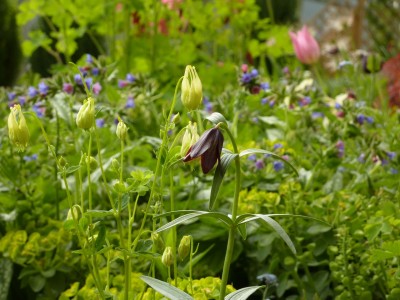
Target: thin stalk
232	230
172	199
55	167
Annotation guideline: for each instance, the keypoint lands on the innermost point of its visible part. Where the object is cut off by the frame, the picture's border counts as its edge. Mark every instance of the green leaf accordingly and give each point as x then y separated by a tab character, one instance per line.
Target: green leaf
166	289
72	169
216	118
243	230
190	214
101	238
261	151
6	267
36	282
243	293
99	213
275	225
226	159
144	245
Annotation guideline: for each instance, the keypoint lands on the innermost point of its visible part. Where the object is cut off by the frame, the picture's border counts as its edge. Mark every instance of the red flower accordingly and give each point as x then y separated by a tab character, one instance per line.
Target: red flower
208	148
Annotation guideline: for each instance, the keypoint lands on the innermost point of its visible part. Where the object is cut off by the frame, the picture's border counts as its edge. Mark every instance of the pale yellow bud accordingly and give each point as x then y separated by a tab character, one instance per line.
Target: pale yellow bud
17	128
122	130
184	247
168	257
85	117
190	137
191	89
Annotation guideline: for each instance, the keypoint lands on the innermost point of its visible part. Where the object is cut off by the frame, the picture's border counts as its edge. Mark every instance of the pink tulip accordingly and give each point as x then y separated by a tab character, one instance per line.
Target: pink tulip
305	46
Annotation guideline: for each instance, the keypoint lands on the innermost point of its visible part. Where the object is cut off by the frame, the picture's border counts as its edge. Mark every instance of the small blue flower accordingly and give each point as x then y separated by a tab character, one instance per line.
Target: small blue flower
304	101
89	82
246	78
384	162
277	146
370	120
78	79
255	120
30	157
83	71
391	155
278	165
360	119
95	71
317	115
338	106
89	59
32	92
122	83
11	96
130	78
43	89
39	110
394	171
267	155
264	86
272	103
208	107
252	157
361	158
100	123
264	101
259	164
130	103
254	73
341	169
22	100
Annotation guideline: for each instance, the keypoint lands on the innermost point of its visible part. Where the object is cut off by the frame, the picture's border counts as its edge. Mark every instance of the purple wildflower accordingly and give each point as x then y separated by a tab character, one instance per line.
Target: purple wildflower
83	71
39	110
246	78
259	164
43	89
122	83
68	88
89	82
97	88
32	92
370	120
130	103
78	79
254	73
264	101
338	106
277	146
264	86
130	78
11	96
340	148
391	155
361	158
317	115
252	157
95	71
100	123
278	165
304	101
272	103
255	120
22	100
89	59
360	119
394	171
384	162
31	157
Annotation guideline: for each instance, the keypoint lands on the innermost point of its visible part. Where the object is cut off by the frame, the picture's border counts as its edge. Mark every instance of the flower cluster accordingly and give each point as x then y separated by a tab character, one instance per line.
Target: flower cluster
250	80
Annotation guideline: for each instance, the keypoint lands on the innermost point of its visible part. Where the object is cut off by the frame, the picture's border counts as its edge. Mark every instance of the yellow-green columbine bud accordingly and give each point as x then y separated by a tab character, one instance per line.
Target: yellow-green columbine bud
191	90
17	128
92	163
75	210
85	117
168	257
184	247
122	129
158	241
190	137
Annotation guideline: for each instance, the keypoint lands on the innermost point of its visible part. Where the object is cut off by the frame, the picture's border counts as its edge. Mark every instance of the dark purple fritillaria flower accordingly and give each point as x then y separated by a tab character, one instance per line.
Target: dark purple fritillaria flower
208	148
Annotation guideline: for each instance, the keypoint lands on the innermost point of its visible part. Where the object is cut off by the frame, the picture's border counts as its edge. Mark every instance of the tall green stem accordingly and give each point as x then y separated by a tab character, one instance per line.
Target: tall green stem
172	199
232	230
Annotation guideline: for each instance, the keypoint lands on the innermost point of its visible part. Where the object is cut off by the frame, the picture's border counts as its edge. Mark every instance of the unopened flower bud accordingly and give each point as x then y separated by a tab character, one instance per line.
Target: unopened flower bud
176	118
158	241
75	211
168	257
115	165
17	128
191	90
92	162
85	117
122	130
184	247
190	137
62	162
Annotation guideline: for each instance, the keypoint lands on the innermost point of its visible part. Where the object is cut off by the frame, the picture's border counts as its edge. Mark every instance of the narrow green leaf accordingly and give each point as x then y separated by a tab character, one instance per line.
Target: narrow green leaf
166	289
261	151
98	213
243	293
243	230
72	169
216	118
219	174
275	225
190	214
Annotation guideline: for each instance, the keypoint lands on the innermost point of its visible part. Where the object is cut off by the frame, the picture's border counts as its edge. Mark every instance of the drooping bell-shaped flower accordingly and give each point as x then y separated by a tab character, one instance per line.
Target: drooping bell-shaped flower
191	89
85	117
208	148
305	46
17	128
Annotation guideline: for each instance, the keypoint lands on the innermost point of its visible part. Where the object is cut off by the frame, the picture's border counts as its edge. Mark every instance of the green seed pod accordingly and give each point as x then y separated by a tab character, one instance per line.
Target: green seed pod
122	130
184	247
168	257
17	128
85	117
158	241
191	89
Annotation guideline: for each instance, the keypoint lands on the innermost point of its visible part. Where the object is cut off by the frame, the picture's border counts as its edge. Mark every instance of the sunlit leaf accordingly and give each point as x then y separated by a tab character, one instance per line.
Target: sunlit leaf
166	289
243	293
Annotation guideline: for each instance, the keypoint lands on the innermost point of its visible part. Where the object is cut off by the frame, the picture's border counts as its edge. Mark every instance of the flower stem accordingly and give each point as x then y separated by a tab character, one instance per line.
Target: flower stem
232	230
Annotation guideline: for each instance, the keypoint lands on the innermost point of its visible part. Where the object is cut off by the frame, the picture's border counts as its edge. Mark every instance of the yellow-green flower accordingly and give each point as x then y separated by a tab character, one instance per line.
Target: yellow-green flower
190	137
191	90
85	117
122	130
17	128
